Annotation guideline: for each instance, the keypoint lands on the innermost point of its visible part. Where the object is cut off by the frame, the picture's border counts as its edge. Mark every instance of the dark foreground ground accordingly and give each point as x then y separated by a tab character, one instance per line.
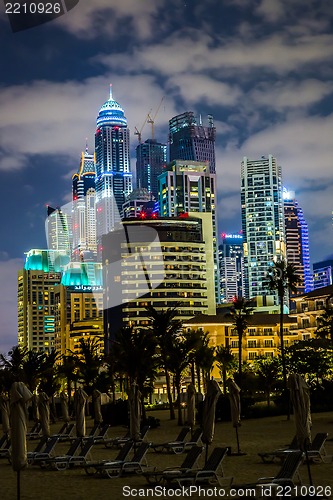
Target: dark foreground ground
255	435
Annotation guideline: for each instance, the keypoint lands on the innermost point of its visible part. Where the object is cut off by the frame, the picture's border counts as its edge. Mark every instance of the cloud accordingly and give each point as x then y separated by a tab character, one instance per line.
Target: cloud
198	51
8	303
112	18
290	94
271	10
49	118
195	89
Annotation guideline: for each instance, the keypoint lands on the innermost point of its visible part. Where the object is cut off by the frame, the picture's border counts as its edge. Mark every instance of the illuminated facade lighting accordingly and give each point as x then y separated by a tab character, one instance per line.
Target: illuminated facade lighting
297	241
113	176
262	223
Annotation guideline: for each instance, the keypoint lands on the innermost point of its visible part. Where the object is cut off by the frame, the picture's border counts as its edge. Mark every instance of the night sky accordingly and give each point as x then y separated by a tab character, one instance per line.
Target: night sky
263	68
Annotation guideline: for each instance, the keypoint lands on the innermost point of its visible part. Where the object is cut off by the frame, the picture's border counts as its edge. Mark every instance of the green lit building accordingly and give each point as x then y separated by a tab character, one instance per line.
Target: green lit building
36	283
50	289
79	306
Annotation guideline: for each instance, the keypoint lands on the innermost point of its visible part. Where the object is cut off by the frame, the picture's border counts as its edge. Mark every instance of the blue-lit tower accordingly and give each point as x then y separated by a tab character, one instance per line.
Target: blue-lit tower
297	241
112	155
231	266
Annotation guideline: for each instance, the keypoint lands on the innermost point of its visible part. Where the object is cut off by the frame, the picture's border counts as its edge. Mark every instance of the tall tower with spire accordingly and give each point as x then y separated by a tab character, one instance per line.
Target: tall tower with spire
112	161
84	208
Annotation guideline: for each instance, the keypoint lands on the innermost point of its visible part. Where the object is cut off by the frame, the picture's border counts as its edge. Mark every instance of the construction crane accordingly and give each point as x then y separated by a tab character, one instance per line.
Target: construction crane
138	132
152	120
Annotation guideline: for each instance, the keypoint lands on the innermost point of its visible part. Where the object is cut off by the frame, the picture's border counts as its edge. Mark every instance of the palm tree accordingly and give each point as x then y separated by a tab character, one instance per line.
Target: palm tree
14	362
69	371
165	327
180	354
136	357
89	362
225	362
283	278
240	312
325	322
49	381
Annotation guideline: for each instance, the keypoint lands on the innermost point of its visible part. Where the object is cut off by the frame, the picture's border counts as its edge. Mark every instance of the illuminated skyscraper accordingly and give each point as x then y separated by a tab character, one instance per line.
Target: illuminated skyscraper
188	187
323	274
113	176
36	306
59	229
262	223
84	208
297	241
150	161
190	140
231	266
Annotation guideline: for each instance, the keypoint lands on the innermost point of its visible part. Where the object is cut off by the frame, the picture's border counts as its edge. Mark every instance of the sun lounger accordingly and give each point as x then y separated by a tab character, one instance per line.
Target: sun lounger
74	447
316	451
176	446
35	431
65	432
134	466
154	475
101	436
109	443
93	431
207	475
5	448
271	456
92	467
3	441
73	457
37	456
289	470
120	441
285	477
194	441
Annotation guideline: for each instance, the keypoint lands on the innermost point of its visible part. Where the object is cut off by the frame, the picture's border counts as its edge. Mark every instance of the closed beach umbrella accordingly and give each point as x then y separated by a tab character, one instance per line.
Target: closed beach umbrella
97	398
64	406
208	417
34	404
235	407
191	405
80	399
134	396
44	413
19	396
4	406
300	398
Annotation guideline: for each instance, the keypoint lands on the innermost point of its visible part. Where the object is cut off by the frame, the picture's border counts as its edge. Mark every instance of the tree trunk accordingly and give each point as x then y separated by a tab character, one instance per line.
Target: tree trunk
240	340
143	409
180	416
282	346
172	410
199	378
192	373
224	380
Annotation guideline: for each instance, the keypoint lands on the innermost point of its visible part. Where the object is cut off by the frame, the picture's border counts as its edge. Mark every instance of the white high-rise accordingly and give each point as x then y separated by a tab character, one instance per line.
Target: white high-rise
84	208
262	222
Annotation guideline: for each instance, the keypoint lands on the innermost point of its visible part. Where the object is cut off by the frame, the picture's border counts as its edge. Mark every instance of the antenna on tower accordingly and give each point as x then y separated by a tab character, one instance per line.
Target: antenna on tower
110	91
86	150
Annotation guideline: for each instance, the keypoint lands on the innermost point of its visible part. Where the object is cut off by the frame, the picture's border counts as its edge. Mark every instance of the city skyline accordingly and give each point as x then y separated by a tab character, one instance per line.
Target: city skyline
262	69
